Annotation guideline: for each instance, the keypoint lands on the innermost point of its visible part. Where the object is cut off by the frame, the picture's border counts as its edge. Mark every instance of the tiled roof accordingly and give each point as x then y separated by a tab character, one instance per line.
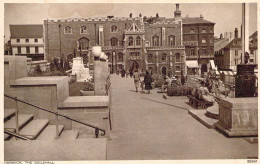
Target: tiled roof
26	31
220	43
235	43
194	20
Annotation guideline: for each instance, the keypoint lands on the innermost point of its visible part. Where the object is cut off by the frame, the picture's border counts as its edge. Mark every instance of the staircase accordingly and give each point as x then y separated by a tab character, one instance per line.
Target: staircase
69	142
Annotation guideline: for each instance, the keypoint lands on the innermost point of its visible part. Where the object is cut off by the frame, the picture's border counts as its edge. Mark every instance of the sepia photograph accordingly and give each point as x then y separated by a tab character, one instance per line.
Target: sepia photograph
130	81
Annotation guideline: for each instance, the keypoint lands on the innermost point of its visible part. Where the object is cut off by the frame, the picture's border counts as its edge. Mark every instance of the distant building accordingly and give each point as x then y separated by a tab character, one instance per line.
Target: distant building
228	57
8	48
253	48
27	40
219	44
153	43
198	38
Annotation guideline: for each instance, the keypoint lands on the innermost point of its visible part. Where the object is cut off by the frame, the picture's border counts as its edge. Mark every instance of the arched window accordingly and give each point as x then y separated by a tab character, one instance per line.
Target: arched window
131	41
114	41
138	41
171	40
83	30
178	57
164	56
147	44
109	57
113	28
83	44
155	40
150	58
120	57
68	30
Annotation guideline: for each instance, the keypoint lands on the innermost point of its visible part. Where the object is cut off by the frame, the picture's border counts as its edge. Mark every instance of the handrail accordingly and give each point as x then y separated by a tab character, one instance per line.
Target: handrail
97	129
18	135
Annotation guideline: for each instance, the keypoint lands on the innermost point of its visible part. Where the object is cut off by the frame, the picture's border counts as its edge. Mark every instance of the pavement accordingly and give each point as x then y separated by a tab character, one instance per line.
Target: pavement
149	127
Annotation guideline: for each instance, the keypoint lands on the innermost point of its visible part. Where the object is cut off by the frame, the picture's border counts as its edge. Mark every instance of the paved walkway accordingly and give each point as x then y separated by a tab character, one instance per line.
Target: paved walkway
150	127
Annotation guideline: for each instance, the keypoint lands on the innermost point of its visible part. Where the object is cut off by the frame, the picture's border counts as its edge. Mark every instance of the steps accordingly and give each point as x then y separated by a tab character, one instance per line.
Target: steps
200	115
45	146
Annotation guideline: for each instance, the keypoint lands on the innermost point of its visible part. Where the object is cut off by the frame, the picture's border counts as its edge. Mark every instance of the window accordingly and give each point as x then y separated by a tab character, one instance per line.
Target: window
138	41
251	51
131	41
203	39
155	40
171	40
204	51
68	30
147	44
113	28
27	40
120	57
83	44
134	54
203	30
177	68
27	50
150	58
114	41
178	57
18	40
36	50
192	53
19	50
164	56
35	40
192	30
211	30
83	30
192	38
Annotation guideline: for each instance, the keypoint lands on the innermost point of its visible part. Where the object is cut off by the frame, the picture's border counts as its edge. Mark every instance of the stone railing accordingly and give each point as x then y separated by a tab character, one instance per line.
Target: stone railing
190	43
164	47
113	47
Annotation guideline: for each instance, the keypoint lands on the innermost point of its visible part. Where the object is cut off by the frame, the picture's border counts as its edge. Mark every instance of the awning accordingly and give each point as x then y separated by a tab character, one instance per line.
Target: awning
212	65
192	64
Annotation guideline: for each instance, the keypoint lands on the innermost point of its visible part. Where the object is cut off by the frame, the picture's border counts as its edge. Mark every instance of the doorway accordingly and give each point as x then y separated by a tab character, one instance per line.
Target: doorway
135	65
164	70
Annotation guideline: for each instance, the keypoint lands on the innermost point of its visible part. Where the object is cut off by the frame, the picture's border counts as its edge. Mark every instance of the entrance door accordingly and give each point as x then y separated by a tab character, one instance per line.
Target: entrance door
203	68
135	65
164	70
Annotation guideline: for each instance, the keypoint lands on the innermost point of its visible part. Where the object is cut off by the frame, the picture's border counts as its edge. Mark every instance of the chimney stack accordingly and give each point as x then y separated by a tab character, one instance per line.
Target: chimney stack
236	33
201	16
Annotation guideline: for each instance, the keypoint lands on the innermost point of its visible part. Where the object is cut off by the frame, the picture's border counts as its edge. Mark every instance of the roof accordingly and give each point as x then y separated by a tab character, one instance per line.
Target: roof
195	20
254	35
220	43
26	31
235	43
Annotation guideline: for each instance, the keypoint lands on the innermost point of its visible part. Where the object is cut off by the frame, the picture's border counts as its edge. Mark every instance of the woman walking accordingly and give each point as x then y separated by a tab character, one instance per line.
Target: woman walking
148	81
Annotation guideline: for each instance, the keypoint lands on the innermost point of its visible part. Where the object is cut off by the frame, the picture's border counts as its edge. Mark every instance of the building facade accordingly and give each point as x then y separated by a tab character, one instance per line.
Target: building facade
198	38
27	40
253	48
153	44
229	56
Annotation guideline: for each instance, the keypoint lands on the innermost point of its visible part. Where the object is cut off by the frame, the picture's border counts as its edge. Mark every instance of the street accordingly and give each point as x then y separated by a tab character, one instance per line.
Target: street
148	127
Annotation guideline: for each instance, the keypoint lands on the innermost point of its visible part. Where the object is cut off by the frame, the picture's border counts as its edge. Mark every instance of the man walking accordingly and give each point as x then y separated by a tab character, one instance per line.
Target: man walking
136	79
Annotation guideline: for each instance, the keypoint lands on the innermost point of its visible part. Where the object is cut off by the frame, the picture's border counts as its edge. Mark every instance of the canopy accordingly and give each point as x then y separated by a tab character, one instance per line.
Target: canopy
192	63
212	65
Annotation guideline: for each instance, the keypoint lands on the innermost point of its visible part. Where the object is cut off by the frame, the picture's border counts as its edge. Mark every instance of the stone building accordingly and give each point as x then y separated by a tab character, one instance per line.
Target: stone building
230	55
253	48
198	38
27	40
142	43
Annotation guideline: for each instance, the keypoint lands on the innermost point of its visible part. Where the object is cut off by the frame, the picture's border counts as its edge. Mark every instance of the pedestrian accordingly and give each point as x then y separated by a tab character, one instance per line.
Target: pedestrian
136	80
148	82
131	72
127	73
123	73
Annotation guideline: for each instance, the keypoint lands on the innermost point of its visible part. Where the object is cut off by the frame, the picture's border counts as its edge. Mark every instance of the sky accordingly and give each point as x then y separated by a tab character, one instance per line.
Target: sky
227	16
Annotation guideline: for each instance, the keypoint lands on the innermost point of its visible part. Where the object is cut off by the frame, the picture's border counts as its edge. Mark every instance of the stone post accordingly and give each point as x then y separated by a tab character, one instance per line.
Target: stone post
100	75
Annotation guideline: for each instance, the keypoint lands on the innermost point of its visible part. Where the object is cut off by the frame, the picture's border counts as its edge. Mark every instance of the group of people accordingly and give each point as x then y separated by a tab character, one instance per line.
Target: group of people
126	73
145	83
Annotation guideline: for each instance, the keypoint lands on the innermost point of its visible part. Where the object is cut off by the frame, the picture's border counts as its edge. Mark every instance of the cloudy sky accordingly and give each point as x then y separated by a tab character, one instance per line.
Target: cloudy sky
226	16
